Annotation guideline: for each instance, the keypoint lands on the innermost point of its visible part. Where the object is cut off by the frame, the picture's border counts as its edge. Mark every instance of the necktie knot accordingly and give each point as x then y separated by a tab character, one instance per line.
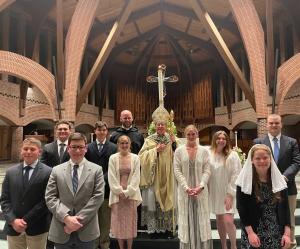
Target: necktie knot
275	139
100	146
76	166
27	168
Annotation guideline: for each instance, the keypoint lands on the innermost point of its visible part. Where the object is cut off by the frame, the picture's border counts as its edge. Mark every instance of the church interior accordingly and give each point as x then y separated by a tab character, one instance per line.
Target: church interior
236	61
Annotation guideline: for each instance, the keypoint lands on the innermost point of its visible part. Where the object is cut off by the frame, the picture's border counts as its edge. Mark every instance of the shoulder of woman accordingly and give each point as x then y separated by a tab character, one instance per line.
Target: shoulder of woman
233	155
134	156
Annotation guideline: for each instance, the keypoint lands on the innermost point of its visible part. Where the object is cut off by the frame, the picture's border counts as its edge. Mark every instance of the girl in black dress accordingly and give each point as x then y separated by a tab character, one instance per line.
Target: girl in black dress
262	202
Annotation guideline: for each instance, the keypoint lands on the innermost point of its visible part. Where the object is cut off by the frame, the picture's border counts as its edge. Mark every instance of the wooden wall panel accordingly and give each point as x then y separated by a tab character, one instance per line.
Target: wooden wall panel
203	106
192	103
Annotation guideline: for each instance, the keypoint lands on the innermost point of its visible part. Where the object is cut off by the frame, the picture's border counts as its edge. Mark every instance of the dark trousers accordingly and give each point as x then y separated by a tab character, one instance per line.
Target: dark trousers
75	243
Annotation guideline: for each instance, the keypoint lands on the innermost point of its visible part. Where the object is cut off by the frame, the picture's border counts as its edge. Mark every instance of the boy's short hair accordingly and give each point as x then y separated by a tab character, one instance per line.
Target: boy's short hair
33	141
63	122
100	124
76	136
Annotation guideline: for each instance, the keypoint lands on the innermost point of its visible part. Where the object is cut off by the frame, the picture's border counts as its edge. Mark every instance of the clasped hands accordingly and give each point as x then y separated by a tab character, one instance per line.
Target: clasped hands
194	192
72	223
19	225
255	241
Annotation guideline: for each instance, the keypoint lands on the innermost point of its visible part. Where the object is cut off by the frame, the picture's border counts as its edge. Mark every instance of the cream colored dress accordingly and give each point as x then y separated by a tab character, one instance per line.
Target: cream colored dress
224	173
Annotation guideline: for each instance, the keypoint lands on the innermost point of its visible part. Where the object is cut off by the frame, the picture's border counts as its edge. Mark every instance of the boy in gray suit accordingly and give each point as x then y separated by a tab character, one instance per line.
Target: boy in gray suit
74	193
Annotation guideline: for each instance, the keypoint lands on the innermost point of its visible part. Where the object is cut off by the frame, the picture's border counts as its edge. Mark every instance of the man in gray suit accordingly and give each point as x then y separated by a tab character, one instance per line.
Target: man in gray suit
286	155
74	193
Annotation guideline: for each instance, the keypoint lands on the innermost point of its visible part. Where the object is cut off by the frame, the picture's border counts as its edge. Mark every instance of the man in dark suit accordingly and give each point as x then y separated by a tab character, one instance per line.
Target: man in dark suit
74	193
55	153
286	155
99	152
22	199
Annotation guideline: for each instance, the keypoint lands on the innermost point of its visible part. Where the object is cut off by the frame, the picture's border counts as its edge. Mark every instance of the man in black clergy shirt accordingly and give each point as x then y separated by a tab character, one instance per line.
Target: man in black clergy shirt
128	129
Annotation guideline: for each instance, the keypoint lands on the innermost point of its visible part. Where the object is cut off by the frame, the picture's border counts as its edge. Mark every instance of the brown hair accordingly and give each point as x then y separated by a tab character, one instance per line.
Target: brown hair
76	136
33	141
100	124
227	148
256	183
63	122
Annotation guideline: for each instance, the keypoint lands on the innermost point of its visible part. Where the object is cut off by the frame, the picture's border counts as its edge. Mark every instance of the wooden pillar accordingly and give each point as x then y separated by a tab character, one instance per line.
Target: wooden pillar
60	44
49	50
296	41
106	94
236	92
21	36
243	60
221	92
282	42
270	41
5	36
36	55
17	139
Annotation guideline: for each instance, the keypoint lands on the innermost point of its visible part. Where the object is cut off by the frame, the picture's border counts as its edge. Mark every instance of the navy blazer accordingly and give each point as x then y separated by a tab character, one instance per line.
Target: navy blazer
288	161
28	203
101	158
50	155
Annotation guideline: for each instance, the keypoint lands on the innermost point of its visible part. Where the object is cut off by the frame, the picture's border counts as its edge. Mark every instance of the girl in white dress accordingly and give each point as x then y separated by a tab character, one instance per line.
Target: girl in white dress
192	170
225	168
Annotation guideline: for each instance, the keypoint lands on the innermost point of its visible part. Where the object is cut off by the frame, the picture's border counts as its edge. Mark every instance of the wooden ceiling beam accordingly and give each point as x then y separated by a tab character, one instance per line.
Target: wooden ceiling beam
205	46
104	53
223	23
105	27
225	53
181	52
5	3
126	45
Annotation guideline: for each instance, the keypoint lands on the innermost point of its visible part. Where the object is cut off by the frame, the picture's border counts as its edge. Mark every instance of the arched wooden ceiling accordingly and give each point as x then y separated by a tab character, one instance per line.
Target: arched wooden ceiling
151	18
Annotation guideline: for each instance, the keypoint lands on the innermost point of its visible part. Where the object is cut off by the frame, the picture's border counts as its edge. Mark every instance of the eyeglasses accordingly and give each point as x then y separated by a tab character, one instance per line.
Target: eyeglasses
77	147
124	143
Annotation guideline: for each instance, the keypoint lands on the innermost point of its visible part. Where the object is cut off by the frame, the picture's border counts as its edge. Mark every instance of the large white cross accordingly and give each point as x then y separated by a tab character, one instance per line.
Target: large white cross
161	79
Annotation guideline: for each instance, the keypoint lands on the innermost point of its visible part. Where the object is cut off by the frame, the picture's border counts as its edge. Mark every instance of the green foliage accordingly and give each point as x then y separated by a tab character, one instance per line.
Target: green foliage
241	154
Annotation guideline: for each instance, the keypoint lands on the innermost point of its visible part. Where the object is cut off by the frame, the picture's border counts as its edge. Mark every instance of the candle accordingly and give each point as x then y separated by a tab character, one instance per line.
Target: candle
235	134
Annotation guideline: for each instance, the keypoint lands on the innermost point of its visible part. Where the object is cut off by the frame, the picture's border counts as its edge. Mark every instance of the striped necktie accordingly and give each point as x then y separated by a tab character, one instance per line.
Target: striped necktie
75	178
276	149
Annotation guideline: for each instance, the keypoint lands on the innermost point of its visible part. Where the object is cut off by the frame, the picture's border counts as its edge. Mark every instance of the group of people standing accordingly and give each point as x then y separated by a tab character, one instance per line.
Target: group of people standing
178	186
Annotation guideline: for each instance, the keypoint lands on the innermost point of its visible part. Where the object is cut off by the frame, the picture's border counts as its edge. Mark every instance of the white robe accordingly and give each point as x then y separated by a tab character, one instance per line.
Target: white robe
202	173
